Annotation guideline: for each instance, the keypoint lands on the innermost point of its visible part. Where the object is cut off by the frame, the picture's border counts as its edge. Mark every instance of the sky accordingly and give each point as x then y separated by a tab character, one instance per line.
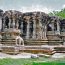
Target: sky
32	5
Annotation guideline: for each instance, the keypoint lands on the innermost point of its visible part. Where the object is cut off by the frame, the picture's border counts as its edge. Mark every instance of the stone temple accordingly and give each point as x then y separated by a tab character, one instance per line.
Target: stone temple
36	28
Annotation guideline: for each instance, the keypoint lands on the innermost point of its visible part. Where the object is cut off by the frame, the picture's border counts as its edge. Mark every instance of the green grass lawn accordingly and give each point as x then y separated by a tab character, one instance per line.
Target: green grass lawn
37	61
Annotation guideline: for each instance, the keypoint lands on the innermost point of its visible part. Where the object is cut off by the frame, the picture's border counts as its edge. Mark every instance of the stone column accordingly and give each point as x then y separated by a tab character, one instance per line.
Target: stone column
40	30
53	25
3	23
28	24
17	24
22	26
13	23
58	28
9	23
40	26
34	28
0	24
44	32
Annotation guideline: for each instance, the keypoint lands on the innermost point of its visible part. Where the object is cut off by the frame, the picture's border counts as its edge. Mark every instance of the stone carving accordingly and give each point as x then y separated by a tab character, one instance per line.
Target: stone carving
19	41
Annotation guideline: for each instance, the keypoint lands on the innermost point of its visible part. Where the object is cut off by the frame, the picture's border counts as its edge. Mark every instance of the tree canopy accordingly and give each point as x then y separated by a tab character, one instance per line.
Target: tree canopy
60	13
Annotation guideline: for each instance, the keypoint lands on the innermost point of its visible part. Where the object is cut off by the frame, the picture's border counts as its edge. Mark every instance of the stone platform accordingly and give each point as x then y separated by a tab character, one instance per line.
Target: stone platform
28	49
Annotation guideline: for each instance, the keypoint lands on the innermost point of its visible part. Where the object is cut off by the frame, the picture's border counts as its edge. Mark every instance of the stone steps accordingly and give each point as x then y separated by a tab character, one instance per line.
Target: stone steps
36	42
59	49
43	42
8	42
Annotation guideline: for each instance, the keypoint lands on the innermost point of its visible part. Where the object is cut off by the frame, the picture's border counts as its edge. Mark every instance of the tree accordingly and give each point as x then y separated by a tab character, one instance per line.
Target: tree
60	14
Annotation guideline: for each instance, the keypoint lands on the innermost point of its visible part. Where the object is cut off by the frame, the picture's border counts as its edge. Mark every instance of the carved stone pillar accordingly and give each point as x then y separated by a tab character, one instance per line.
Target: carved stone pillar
58	28
34	28
53	25
44	32
17	24
22	26
28	24
40	30
3	23
40	26
13	23
9	23
0	24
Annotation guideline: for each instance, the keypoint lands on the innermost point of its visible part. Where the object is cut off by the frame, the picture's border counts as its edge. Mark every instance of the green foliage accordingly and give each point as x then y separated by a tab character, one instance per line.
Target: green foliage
60	14
10	61
36	61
